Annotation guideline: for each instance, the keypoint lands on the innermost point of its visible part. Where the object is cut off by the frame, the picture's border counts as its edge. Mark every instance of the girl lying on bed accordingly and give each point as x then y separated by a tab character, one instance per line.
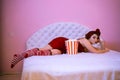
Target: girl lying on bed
57	46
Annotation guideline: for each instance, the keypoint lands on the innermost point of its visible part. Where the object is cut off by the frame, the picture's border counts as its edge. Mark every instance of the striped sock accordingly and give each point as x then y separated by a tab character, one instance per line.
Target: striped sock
33	52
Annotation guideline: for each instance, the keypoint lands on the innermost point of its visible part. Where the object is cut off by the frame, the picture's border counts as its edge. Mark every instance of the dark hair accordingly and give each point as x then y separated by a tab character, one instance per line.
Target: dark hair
90	33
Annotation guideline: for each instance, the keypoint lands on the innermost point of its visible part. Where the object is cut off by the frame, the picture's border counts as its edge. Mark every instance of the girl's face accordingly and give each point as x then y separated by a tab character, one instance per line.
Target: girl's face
94	39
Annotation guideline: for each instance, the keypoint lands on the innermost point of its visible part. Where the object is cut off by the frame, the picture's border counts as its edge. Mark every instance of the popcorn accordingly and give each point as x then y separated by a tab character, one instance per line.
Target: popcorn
71	46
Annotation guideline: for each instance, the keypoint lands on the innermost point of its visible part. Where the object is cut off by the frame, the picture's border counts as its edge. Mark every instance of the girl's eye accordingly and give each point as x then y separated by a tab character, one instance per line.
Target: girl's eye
94	37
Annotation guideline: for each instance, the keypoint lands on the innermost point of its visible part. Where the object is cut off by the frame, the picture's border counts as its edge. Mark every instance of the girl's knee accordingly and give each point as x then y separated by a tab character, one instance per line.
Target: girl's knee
55	51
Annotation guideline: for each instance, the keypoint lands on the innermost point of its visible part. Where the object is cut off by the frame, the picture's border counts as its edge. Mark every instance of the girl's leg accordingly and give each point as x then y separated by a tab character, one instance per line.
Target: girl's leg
56	52
29	53
53	51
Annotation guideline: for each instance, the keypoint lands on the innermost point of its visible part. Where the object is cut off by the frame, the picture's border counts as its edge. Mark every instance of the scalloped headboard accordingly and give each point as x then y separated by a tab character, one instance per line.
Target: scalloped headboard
65	29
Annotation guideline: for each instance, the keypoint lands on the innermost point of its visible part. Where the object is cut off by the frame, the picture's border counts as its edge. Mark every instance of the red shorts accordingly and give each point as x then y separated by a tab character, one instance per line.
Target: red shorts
59	43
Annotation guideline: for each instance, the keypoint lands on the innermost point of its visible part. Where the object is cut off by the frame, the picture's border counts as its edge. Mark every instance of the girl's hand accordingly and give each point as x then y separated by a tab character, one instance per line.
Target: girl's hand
106	49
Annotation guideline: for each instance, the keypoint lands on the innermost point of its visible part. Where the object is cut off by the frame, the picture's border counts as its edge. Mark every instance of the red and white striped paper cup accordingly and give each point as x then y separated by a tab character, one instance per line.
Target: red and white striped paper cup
71	46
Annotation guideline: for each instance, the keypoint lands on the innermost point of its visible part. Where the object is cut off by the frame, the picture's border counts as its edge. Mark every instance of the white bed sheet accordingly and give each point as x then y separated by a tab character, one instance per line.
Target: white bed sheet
82	66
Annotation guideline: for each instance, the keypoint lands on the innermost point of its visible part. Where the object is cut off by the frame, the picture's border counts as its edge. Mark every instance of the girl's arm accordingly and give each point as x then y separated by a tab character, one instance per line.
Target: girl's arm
102	44
92	49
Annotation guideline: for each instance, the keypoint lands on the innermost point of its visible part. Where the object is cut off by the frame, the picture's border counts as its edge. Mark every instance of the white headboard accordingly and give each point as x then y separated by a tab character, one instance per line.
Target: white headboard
49	32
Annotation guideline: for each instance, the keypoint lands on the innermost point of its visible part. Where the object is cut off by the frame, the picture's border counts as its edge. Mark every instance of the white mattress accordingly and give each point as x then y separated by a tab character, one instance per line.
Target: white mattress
61	65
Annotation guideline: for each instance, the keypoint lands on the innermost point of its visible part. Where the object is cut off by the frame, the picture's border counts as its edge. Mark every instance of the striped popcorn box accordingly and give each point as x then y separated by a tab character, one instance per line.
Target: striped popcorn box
71	46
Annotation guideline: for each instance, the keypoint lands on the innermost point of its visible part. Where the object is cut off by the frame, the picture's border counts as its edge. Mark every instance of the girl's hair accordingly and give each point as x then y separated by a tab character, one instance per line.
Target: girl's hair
90	33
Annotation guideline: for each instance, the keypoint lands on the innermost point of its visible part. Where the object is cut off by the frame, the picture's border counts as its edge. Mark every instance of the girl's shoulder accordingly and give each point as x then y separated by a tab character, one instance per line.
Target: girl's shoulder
82	39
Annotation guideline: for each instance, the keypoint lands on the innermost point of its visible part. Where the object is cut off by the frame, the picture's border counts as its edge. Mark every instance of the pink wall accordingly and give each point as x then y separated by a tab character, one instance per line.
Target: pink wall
23	17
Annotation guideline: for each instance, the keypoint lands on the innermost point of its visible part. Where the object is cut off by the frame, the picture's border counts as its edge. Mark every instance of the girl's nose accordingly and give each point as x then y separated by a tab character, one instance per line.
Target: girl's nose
97	40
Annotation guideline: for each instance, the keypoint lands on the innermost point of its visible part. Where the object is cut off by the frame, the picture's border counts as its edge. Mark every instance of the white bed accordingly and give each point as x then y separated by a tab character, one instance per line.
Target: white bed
82	66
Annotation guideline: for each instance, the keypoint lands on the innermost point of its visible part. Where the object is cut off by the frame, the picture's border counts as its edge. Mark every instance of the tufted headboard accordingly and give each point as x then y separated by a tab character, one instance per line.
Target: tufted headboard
65	29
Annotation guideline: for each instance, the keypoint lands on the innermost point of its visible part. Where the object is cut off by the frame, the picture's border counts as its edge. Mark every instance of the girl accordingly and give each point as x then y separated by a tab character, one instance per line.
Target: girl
57	46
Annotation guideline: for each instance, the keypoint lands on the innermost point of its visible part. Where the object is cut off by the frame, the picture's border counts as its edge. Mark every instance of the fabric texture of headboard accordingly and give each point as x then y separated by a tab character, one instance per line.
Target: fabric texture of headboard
61	29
